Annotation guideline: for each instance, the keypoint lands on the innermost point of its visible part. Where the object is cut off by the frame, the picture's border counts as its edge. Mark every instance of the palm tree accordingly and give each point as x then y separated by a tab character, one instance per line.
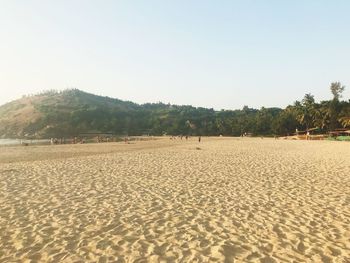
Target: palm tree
345	116
322	118
345	121
306	111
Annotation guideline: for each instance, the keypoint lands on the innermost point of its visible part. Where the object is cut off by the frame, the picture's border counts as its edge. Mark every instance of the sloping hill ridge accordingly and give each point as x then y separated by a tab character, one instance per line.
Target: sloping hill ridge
65	113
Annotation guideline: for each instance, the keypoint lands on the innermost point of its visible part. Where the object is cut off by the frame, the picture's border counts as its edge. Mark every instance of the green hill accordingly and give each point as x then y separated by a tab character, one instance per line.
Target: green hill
64	113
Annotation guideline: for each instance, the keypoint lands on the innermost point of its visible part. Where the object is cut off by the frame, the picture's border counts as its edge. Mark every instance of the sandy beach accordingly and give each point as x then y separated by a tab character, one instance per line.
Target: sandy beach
221	200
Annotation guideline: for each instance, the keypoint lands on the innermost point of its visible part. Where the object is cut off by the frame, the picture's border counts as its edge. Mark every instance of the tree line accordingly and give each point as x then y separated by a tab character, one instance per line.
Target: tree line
72	112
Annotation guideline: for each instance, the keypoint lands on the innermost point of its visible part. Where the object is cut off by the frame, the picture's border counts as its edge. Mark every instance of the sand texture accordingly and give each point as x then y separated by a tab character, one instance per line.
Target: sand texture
221	200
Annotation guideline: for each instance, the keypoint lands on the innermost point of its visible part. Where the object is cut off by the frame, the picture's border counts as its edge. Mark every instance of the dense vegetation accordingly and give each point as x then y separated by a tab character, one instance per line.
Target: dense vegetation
72	112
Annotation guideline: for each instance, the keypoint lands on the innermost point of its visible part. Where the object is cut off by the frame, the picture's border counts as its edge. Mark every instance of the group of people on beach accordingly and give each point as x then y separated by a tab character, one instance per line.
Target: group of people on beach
186	137
57	141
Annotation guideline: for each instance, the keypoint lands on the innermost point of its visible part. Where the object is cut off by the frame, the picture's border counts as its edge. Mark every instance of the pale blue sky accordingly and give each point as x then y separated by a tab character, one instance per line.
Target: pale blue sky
220	54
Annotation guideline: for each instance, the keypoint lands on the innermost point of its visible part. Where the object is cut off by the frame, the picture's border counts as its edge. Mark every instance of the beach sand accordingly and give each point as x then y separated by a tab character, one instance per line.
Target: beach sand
221	200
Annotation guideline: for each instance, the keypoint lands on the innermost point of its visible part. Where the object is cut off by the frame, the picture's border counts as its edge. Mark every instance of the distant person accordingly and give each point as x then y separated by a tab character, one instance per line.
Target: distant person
199	139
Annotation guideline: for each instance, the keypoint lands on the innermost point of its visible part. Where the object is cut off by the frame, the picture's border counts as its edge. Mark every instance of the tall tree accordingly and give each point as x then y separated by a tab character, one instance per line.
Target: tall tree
337	89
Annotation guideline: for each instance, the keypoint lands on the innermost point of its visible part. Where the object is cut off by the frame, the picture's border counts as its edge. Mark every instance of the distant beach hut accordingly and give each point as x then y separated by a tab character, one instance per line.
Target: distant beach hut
340	134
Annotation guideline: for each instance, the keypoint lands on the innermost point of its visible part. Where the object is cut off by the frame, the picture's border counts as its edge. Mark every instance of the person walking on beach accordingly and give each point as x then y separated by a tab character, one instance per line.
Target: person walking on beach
199	139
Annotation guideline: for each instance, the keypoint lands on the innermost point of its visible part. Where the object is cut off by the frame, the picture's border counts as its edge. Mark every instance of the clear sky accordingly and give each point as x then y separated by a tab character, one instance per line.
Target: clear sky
217	54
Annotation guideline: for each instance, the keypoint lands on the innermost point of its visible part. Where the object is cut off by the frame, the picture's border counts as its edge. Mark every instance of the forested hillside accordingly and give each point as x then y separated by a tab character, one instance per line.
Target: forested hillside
72	112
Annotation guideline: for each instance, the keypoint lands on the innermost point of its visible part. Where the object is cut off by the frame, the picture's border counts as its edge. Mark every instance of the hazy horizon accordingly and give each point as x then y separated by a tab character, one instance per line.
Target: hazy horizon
199	53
